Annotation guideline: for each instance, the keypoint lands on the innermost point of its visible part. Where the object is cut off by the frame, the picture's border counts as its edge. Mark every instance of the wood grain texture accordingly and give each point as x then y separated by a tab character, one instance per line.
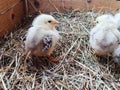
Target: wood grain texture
5	4
51	5
10	19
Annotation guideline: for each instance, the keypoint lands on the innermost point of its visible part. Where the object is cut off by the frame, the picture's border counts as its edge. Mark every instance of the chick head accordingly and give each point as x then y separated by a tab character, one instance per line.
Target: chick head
46	21
105	18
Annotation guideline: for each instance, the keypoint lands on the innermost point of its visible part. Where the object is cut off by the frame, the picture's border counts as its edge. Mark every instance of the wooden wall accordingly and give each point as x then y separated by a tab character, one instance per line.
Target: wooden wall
13	11
11	14
60	5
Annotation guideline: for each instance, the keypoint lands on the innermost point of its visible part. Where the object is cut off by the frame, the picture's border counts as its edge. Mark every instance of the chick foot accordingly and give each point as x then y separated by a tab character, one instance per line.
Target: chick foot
52	59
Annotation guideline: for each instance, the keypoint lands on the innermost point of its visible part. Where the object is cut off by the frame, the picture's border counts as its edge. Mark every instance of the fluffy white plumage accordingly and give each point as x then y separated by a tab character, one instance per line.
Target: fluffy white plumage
105	18
104	38
117	19
42	26
116	55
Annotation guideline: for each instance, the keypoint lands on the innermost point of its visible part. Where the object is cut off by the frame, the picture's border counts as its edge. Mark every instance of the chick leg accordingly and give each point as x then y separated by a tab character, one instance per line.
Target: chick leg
27	54
52	59
98	54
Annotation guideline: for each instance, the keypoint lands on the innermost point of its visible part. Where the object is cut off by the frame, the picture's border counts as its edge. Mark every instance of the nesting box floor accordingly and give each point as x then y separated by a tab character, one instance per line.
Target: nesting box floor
78	67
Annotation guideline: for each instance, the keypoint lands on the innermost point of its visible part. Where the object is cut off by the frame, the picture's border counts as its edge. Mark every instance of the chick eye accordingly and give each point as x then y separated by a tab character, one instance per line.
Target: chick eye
49	21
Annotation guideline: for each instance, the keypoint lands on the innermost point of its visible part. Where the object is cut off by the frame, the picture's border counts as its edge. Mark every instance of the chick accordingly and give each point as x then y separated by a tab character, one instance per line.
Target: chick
42	36
104	37
117	19
116	55
105	18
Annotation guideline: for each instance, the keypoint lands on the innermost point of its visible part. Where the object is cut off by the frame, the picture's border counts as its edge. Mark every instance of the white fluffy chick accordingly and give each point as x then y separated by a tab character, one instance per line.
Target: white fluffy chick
105	18
42	36
116	55
104	38
117	19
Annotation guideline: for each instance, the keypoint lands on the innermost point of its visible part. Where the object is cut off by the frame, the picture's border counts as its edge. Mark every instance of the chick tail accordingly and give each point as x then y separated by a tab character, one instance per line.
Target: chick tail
25	60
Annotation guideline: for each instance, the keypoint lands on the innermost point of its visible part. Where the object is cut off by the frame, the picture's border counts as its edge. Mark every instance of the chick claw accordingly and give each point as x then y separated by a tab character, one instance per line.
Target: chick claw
52	59
98	54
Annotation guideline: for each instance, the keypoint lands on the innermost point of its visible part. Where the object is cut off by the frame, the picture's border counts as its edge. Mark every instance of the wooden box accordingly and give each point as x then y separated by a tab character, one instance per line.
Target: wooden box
13	11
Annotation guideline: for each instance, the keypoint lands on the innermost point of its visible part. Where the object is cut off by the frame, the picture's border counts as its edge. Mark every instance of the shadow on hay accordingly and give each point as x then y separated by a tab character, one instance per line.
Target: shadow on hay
108	60
39	64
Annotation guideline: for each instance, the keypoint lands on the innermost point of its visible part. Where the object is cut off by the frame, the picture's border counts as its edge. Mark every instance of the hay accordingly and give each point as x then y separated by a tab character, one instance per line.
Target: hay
78	67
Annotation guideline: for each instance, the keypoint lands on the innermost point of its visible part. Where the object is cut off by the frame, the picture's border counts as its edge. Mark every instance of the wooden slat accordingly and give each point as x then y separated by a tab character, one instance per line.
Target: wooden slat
36	4
106	5
11	19
48	5
5	4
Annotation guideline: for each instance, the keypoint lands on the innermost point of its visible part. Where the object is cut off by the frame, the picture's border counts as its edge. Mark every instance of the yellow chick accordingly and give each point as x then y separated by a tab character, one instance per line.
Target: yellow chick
104	38
116	55
105	18
42	36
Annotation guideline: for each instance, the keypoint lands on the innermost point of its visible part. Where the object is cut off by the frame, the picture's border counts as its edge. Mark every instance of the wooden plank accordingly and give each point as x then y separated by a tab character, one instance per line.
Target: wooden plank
53	5
11	19
5	4
36	4
105	5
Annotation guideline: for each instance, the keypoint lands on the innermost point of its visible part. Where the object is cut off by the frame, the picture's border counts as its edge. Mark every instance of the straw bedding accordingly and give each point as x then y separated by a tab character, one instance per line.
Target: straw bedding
78	67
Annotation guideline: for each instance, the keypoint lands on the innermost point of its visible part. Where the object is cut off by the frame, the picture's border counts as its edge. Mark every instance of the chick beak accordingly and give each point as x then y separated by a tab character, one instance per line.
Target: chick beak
55	22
